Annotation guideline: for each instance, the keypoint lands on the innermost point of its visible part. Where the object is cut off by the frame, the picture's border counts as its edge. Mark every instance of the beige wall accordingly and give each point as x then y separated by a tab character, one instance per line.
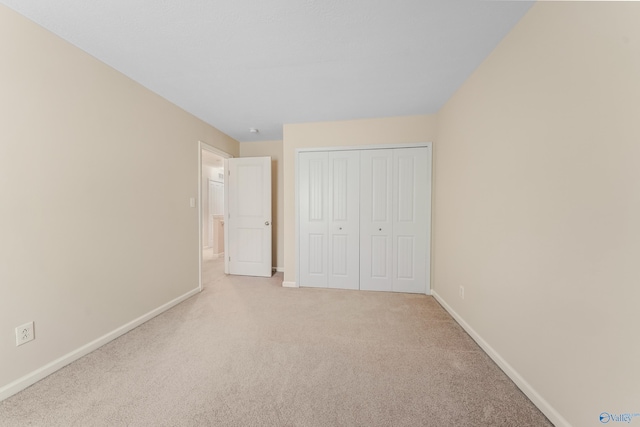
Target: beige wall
537	201
96	173
392	130
274	150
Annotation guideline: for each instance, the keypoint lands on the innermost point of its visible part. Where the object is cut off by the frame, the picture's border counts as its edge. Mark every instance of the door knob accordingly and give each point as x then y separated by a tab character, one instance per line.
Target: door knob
266	223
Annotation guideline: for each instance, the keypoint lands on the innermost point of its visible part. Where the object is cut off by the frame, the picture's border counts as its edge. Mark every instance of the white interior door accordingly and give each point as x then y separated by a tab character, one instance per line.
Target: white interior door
344	220
376	220
411	218
329	219
216	198
249	216
313	194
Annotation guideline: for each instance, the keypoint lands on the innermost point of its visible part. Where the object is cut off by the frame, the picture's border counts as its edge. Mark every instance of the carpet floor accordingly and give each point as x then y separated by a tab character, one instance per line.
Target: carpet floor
248	352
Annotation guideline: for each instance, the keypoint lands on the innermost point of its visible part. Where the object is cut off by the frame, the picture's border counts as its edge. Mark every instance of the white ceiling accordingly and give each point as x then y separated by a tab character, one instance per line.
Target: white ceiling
238	64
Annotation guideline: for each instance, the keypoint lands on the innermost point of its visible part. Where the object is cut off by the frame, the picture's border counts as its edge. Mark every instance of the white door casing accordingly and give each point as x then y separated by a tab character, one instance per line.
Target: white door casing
249	216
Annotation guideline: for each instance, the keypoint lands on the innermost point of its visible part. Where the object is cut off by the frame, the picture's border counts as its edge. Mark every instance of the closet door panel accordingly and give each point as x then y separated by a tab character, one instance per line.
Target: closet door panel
344	219
411	201
376	220
364	219
313	216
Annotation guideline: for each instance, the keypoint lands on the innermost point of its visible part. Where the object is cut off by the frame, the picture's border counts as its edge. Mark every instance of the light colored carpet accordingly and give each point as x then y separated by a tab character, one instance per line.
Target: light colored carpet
247	352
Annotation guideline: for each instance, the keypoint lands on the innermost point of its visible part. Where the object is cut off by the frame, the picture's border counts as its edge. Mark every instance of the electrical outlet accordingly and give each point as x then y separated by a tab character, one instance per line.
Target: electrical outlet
461	292
24	334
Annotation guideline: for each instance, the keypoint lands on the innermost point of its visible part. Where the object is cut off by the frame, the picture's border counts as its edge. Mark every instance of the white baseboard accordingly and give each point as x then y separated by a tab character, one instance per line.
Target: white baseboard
290	285
40	373
544	406
280	269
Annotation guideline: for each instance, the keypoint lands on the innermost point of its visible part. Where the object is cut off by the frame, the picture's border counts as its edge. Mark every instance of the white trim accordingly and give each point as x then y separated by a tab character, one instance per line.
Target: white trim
226	216
280	269
296	230
35	376
211	149
290	285
199	207
214	150
544	406
429	221
364	147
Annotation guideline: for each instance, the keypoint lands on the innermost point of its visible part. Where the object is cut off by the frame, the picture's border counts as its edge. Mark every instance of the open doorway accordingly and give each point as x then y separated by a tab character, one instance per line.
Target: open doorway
212	224
212	205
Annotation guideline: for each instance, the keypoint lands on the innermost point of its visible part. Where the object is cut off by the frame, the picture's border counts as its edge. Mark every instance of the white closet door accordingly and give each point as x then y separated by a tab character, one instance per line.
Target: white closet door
411	217
364	219
344	219
376	220
313	211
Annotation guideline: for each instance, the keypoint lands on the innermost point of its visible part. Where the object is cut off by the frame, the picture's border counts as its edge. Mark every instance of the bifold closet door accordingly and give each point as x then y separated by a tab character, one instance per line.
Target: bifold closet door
394	216
329	219
313	191
376	222
411	217
344	220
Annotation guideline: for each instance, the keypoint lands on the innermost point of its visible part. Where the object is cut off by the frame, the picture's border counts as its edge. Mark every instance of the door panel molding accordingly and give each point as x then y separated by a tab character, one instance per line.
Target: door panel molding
248	216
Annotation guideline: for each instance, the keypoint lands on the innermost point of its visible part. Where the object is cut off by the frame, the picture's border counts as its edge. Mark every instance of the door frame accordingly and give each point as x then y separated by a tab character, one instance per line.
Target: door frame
224	155
429	145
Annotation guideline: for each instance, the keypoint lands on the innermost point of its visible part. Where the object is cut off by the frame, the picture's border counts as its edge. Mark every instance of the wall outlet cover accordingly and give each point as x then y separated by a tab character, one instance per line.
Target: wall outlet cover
24	333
